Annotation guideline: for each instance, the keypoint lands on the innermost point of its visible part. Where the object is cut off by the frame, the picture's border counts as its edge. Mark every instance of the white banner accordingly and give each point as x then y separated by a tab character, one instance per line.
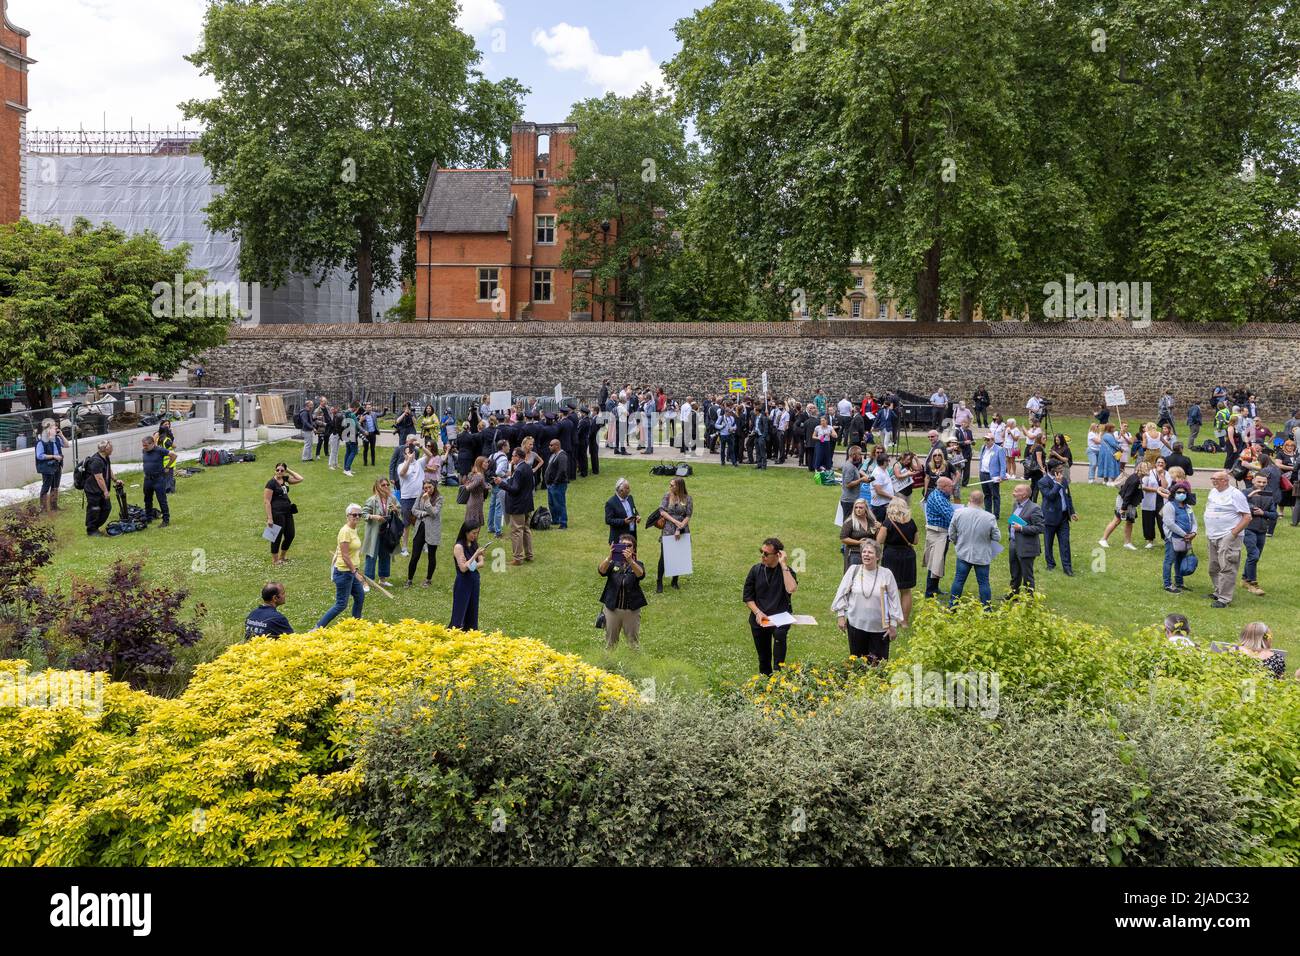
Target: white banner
500	401
677	555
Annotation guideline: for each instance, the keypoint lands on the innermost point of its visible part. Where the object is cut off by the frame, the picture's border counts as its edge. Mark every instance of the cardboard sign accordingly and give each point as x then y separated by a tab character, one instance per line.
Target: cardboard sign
737	385
500	401
1115	396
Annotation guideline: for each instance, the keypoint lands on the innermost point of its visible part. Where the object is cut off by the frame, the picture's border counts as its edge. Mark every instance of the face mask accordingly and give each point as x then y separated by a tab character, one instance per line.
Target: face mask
1181	496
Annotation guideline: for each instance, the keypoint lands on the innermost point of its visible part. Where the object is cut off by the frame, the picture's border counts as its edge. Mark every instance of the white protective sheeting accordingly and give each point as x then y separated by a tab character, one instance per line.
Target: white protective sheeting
166	195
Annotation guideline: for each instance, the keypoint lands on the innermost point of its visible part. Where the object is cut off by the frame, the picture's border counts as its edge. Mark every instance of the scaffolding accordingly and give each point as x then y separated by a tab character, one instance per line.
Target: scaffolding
111	142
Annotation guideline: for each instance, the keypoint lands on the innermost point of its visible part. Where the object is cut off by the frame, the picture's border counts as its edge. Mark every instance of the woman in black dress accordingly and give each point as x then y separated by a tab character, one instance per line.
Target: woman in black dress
898	536
280	510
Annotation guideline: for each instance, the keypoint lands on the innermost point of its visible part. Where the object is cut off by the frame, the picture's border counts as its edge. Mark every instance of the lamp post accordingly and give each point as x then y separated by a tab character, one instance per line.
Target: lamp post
604	229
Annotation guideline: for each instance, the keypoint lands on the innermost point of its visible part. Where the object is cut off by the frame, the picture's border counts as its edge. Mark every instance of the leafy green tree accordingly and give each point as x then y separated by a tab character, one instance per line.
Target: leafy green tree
83	303
329	116
632	169
976	149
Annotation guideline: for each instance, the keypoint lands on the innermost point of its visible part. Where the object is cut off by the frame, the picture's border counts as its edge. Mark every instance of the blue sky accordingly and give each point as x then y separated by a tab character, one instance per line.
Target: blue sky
119	62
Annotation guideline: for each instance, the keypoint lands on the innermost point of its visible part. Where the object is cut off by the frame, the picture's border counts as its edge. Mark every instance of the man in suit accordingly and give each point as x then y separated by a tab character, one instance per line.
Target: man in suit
620	512
762	431
557	485
593	438
519	506
973	533
568	440
1058	512
581	441
1026	539
993	471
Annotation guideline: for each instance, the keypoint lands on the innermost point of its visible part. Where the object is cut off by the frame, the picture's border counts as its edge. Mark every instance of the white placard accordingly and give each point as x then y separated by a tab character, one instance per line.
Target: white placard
764	384
271	533
1115	396
559	394
500	401
839	515
677	555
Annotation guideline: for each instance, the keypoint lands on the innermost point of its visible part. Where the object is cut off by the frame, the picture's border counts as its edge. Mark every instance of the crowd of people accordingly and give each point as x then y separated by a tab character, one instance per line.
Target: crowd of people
496	460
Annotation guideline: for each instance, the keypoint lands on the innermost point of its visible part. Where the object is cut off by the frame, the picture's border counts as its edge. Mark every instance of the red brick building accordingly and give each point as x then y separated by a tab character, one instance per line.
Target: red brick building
489	241
13	114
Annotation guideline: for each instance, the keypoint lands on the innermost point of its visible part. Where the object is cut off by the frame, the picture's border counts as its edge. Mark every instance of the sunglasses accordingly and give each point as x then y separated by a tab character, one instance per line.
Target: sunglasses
767	554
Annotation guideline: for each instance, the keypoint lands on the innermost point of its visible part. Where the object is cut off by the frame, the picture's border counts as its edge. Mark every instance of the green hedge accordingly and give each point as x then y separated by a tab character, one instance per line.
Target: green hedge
695	781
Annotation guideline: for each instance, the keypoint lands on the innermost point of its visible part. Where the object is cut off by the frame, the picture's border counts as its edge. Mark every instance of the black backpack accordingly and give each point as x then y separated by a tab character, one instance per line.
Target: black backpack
541	520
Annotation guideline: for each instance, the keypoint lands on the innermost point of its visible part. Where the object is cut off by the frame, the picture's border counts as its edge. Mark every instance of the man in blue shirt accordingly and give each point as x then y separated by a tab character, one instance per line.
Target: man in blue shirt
938	518
992	471
265	620
155	479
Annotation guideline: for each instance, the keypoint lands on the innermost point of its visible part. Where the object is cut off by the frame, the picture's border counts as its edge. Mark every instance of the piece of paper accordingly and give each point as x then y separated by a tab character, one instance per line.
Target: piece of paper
839	514
677	555
271	533
997	549
805	619
783	619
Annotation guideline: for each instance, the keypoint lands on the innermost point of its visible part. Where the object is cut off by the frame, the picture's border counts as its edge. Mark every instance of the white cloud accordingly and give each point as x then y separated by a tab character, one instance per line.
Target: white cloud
572	48
477	15
122	58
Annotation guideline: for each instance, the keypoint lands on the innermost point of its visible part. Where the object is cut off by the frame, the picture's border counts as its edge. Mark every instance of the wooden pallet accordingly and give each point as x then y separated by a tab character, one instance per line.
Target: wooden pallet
179	405
273	412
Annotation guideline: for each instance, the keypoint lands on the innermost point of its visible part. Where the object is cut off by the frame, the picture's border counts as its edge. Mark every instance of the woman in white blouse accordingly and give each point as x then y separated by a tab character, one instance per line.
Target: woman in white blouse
867	605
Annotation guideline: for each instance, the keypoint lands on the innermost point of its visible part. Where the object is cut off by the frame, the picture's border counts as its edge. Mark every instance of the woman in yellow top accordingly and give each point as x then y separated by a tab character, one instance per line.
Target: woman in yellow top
348	579
429	423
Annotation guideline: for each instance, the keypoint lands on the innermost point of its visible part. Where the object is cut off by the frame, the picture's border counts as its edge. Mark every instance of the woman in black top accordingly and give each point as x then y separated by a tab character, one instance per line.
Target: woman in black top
1035	465
767	591
936	467
622	596
405	424
280	510
897	535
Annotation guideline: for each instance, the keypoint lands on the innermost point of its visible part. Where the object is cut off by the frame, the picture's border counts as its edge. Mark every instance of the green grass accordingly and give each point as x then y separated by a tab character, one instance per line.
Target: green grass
697	637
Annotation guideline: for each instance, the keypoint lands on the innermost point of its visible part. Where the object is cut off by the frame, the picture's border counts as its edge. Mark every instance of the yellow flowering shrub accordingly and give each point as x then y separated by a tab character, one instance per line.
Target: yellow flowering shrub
248	765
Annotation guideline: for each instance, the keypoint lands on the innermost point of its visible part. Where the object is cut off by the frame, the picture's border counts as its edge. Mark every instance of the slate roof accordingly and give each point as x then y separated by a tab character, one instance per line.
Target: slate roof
467	200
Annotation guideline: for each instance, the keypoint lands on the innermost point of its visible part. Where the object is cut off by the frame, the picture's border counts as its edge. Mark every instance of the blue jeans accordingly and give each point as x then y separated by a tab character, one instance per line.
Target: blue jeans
1093	455
981	576
345	583
350	455
384	559
727	445
555	500
1255	541
496	510
1172	565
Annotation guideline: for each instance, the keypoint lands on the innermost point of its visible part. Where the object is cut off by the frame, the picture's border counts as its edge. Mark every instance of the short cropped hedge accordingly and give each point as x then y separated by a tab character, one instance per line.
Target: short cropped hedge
498	778
247	766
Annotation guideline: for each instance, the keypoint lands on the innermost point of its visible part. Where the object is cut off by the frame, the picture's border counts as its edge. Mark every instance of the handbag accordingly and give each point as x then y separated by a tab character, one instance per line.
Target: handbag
1187	564
462	495
600	619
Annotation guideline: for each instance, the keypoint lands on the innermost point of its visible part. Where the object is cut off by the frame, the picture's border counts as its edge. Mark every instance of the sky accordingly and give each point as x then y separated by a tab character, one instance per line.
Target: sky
119	63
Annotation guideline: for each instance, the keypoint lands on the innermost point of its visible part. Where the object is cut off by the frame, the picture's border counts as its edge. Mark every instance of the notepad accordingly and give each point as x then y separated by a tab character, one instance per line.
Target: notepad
271	533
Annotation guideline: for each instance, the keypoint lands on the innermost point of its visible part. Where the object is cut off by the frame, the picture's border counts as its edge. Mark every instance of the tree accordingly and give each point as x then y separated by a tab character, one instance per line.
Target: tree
82	303
976	149
632	169
329	117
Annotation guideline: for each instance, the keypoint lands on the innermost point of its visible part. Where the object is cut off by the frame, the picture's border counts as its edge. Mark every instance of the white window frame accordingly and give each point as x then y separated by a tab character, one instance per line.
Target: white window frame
537	228
882	310
857	308
490	274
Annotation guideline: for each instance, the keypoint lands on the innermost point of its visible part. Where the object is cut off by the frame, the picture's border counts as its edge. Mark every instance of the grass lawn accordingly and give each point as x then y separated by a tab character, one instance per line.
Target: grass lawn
697	637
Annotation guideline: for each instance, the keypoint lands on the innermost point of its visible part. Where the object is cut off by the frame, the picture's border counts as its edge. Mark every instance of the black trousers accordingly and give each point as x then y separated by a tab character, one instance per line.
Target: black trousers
156	485
287	531
1022	572
770	644
416	549
992	494
873	645
368	448
595	457
98	509
322	442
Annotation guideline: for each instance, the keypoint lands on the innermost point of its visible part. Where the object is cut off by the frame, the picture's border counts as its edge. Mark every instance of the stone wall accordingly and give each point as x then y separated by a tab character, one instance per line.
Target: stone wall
1071	362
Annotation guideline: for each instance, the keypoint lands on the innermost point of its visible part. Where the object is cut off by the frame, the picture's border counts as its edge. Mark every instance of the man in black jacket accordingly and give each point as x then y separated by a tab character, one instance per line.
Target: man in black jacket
568	427
620	512
99	481
581	441
519	506
593	440
1179	460
557	485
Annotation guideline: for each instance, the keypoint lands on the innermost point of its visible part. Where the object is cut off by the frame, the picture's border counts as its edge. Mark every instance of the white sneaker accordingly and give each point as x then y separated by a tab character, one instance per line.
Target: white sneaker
1104	543
1131	547
349	474
1150	545
405	553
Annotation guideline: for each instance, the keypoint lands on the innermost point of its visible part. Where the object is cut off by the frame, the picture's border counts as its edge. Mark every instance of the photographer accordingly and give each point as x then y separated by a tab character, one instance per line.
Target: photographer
622	597
99	478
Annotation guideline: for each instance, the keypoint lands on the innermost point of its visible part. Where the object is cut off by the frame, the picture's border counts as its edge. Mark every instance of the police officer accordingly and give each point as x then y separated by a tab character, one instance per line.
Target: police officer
167	441
155	480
